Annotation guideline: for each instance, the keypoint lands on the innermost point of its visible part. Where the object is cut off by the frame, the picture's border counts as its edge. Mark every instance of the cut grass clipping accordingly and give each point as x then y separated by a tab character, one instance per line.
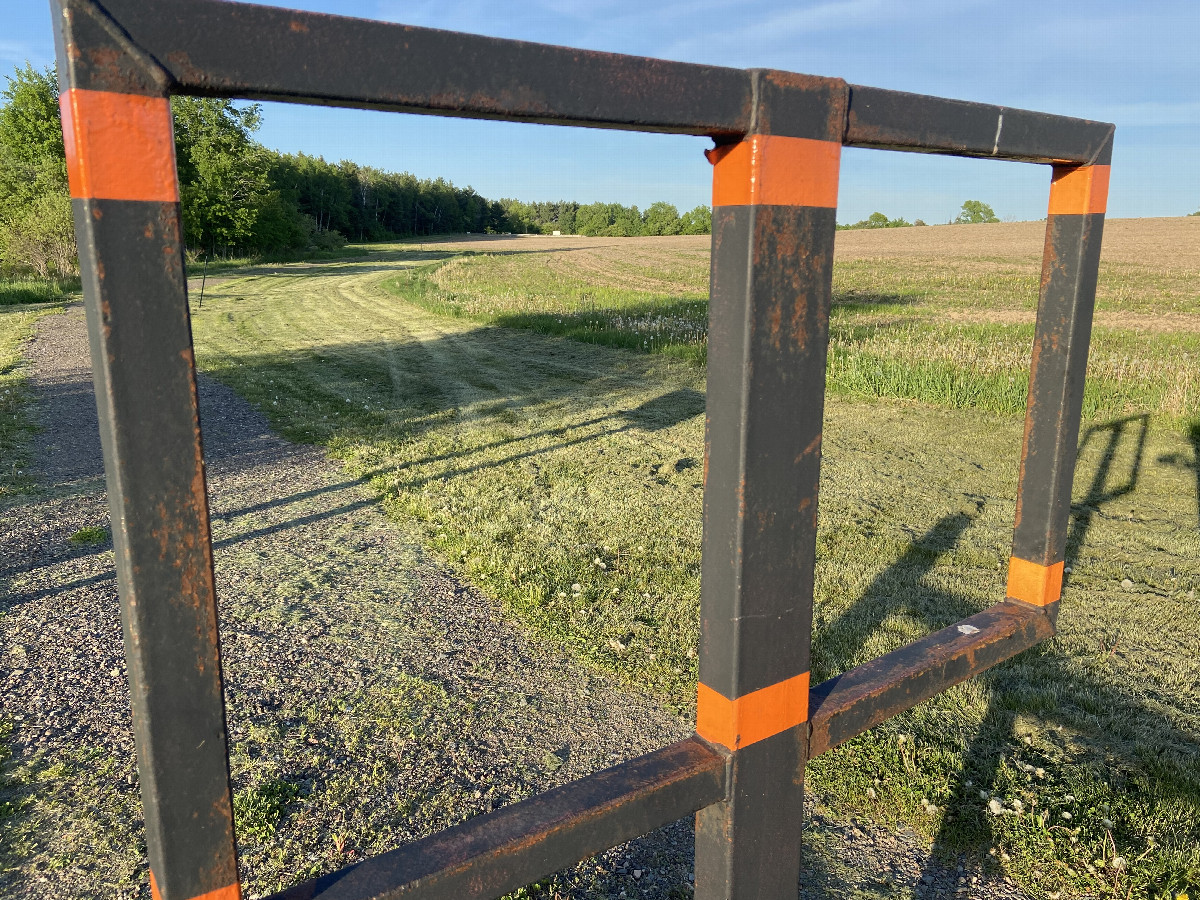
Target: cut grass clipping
564	478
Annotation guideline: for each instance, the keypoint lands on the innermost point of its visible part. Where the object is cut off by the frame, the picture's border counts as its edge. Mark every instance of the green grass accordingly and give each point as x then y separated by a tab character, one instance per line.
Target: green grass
89	536
393	734
41	797
889	336
16	424
19	291
564	478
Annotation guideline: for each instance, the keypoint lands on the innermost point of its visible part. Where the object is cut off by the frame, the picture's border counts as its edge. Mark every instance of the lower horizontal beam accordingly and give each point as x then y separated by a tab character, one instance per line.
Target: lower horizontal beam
492	854
850	703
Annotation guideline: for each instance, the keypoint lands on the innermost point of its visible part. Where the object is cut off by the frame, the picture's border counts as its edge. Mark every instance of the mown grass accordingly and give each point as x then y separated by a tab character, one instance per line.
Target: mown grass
564	479
16	423
889	335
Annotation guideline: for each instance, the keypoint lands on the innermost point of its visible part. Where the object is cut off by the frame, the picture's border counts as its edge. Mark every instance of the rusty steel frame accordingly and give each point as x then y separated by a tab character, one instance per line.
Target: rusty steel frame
778	139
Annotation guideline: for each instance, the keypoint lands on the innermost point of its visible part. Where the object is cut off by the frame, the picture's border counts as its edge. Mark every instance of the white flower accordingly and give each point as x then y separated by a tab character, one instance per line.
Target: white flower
1119	863
1018	805
1066	815
576	588
995	807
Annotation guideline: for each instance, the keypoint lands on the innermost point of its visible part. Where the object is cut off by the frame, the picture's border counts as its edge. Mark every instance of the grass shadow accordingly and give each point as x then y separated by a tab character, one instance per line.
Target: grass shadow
1102	755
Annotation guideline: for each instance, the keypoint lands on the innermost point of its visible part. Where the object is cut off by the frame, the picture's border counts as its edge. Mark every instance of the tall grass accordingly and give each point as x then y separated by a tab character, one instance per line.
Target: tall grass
886	338
15	291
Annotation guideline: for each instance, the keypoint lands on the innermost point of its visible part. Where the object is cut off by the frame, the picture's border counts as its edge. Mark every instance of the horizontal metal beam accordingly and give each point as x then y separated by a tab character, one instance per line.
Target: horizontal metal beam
217	48
492	854
848	704
243	50
895	120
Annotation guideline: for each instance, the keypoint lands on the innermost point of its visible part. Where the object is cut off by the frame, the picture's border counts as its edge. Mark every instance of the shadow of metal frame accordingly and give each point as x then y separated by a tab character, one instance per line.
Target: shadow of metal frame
778	139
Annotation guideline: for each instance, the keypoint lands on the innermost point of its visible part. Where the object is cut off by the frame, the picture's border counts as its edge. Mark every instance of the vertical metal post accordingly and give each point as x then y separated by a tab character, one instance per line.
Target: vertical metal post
1074	227
121	165
774	217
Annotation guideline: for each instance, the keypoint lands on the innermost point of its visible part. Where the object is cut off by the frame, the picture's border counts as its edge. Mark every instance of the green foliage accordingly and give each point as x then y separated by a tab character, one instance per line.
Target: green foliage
89	536
258	810
36	229
240	198
879	220
223	173
661	218
975	212
696	221
606	219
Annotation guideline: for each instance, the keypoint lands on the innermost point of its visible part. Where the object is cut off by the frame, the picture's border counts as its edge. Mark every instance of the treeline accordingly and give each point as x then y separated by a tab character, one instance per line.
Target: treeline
242	198
880	220
607	219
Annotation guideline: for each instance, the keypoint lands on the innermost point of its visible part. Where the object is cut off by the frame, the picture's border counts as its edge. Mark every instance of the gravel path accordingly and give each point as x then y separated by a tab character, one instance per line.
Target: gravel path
372	697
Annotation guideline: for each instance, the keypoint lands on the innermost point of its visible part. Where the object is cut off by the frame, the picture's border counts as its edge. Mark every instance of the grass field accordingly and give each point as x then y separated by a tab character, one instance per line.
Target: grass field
558	467
532	409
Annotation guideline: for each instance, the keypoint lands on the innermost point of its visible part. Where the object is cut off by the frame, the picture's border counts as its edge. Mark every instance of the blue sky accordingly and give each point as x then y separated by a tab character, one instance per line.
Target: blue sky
1135	64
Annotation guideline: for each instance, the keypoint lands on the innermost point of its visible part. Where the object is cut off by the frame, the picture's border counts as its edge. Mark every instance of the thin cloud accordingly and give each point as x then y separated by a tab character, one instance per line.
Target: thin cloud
20	52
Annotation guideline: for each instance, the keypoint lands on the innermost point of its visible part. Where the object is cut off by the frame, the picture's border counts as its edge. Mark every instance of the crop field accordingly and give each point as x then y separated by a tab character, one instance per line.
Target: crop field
531	409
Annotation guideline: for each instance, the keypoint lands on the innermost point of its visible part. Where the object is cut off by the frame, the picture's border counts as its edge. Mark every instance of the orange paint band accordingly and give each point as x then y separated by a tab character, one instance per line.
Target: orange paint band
770	170
1079	190
119	146
232	892
738	723
1033	583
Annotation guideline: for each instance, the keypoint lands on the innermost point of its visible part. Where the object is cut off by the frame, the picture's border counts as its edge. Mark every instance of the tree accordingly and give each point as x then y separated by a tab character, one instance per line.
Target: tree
36	228
223	172
660	218
696	221
975	212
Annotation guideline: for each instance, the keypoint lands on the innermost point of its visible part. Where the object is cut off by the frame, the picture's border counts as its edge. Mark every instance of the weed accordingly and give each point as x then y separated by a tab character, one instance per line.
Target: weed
89	536
259	809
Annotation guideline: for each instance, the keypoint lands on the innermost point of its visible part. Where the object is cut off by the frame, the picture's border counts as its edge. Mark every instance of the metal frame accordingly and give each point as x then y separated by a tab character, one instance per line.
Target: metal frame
778	144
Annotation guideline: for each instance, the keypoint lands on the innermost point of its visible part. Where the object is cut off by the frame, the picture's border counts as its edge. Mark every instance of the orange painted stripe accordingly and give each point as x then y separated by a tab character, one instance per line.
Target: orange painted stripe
1079	190
1034	583
232	892
119	146
754	717
776	171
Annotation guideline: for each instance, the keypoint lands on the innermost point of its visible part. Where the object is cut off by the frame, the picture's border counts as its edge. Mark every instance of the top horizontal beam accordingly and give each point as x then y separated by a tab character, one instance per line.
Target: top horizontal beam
894	120
216	48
